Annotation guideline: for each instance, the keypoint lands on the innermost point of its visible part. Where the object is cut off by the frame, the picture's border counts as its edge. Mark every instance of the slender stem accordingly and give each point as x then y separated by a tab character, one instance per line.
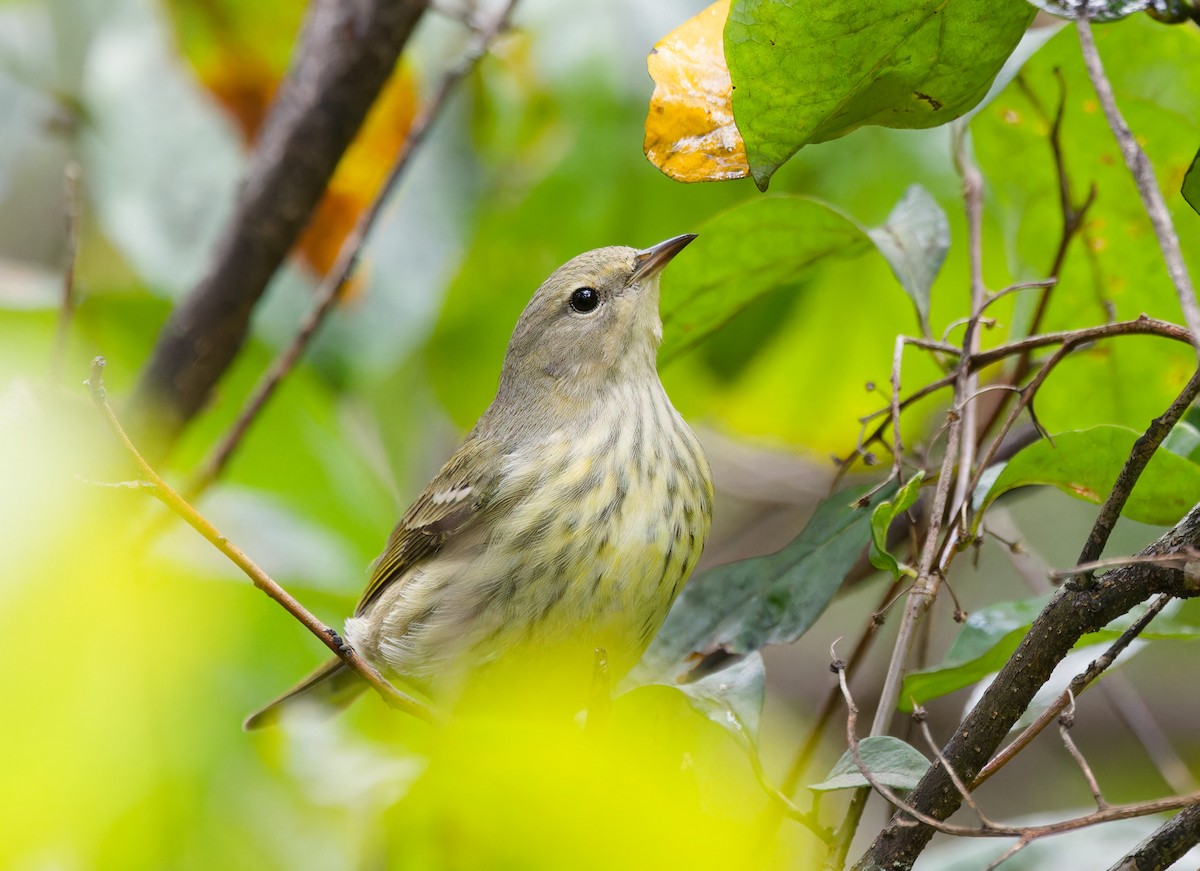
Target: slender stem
830	706
1065	722
163	491
1128	704
972	183
960	450
66	308
1143	176
330	289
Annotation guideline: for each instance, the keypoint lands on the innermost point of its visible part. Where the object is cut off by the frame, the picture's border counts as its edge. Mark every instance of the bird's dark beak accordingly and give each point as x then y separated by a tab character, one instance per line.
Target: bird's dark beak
650	261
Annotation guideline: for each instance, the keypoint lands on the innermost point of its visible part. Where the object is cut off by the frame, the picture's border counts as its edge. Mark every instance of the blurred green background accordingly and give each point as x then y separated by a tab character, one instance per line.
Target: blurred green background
127	671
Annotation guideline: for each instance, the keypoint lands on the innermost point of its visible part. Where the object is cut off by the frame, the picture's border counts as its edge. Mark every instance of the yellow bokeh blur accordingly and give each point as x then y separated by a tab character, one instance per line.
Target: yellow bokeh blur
127	676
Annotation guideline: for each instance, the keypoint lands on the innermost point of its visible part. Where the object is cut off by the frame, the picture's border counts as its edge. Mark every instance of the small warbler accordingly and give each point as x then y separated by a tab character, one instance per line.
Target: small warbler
567	521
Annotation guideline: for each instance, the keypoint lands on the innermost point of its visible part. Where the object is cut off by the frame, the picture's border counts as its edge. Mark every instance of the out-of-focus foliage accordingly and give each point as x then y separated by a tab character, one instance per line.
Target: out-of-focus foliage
1118	271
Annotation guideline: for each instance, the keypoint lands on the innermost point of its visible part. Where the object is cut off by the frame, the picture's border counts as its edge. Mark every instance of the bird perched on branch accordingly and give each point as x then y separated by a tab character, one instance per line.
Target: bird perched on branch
566	522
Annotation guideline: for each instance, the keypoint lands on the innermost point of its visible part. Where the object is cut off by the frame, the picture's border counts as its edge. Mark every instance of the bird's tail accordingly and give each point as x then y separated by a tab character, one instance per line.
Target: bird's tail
332	686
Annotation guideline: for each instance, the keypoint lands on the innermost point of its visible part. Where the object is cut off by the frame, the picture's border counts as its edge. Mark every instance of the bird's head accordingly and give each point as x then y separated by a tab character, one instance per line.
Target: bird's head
594	320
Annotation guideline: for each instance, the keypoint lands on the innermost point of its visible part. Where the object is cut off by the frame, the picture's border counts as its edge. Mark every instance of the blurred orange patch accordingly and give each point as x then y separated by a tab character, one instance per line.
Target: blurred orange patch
356	182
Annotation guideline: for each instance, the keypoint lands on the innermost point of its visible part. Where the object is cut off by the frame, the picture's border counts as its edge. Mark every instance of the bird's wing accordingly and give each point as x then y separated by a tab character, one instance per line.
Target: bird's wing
459	492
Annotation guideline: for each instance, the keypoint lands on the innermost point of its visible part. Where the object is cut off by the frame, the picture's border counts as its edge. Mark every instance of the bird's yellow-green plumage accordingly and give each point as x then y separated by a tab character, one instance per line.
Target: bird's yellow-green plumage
569	518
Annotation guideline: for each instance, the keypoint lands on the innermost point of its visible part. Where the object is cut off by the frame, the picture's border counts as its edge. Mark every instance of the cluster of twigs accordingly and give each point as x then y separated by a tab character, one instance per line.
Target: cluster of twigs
974	439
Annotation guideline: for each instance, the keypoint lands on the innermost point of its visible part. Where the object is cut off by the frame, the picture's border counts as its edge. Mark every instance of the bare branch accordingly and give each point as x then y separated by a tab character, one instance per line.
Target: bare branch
1166	846
919	716
164	493
66	307
1072	613
1065	721
993	830
1143	176
1068	340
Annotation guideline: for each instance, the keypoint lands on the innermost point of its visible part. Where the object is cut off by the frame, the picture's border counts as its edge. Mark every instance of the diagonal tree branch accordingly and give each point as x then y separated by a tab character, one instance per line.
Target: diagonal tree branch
1167	845
1143	176
345	54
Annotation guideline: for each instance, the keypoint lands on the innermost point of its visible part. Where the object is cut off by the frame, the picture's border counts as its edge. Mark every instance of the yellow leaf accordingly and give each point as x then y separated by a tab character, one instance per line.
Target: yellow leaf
690	132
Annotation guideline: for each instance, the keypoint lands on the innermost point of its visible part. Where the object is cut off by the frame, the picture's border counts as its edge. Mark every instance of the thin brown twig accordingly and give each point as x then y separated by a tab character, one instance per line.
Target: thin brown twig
1072	222
1065	722
959	451
1016	848
176	503
830	705
920	717
1143	176
1171	560
66	307
972	184
330	289
1077	685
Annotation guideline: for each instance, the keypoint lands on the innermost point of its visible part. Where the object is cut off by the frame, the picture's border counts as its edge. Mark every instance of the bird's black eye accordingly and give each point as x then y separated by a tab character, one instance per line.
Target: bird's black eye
585	299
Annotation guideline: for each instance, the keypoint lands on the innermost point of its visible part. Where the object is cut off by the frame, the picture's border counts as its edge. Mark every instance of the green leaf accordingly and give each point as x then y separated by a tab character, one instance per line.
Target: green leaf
1085	464
881	520
744	254
732	698
1183	440
736	609
991	635
891	762
806	72
914	241
1191	184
